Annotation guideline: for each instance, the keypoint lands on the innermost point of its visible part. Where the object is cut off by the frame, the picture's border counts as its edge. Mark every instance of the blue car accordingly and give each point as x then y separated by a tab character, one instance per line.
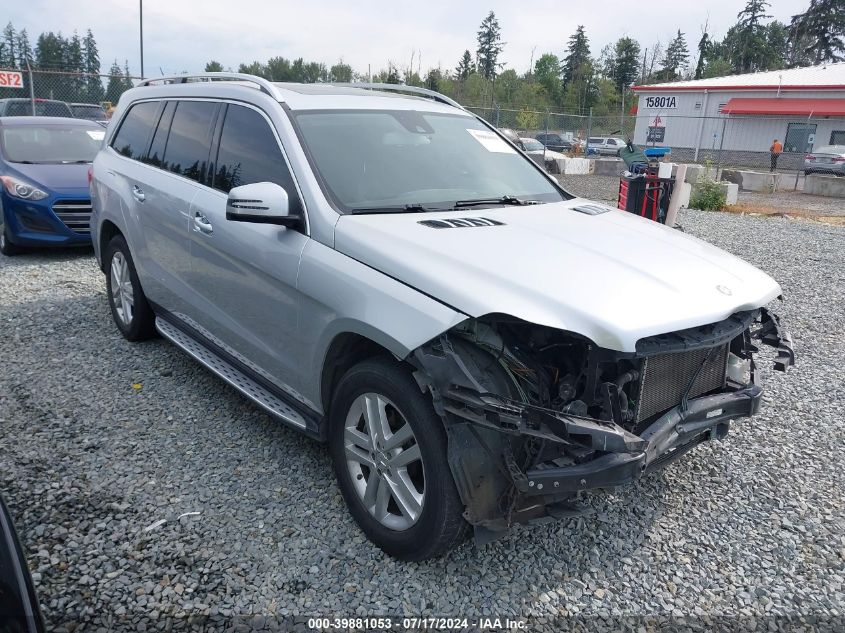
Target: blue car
44	196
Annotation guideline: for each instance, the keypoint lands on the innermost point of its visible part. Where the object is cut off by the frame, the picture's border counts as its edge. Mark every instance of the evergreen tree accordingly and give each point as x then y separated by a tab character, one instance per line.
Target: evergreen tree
465	67
340	72
10	58
676	58
23	49
74	63
93	83
214	67
392	76
433	78
577	56
127	77
819	33
704	51
750	47
625	66
117	83
490	46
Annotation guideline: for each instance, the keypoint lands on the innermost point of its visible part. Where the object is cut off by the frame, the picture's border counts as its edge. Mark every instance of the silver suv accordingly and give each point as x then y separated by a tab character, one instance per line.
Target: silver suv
380	269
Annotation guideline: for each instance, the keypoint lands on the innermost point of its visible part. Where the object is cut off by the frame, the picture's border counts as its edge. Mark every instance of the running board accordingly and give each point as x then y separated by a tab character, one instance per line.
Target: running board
271	403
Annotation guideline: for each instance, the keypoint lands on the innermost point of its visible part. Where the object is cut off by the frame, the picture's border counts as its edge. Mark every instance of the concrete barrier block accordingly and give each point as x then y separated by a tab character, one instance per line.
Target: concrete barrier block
576	166
759	181
731	192
685	191
693	173
821	185
609	166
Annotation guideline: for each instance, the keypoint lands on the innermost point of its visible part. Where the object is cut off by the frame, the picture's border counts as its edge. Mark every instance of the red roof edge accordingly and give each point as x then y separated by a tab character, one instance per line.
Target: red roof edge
788	107
670	88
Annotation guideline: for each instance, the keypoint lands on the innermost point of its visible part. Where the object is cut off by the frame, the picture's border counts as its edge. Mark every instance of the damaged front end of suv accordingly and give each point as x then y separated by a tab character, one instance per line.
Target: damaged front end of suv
536	415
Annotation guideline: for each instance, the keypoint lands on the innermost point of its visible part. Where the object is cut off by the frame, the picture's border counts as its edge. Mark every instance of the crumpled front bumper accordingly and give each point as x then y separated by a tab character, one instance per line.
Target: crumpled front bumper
666	439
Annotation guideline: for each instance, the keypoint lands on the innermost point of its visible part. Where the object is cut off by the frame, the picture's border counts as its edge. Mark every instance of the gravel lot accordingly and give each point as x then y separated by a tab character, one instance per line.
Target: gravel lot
145	489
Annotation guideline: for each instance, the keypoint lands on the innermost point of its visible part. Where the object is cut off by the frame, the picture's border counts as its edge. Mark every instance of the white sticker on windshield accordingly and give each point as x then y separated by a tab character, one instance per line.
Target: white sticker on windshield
97	135
491	141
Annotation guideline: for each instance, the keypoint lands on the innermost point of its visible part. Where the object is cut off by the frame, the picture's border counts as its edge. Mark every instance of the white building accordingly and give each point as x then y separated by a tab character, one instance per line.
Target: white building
738	117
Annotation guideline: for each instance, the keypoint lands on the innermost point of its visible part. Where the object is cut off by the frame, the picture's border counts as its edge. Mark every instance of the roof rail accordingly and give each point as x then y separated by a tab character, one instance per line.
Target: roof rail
262	84
425	92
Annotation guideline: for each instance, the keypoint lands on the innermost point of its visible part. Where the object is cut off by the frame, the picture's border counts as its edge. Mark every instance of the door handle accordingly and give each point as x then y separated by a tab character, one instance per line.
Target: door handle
202	224
138	193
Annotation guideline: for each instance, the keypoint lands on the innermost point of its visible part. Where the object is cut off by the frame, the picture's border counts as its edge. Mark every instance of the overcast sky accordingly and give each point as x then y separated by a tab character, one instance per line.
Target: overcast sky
182	35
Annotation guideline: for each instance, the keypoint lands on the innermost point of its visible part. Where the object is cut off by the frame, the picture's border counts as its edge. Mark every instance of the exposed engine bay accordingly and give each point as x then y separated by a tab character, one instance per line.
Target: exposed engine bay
536	415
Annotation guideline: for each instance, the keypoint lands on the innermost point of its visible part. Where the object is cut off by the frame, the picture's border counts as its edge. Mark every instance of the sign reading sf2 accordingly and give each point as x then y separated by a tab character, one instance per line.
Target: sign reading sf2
661	102
10	79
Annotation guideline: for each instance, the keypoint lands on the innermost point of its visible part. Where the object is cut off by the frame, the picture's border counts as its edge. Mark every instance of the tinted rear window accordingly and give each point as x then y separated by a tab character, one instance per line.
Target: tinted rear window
189	141
42	108
249	153
595	140
134	133
91	112
156	153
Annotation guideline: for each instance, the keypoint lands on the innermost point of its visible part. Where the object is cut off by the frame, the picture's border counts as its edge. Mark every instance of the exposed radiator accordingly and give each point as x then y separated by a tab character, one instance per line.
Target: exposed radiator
666	377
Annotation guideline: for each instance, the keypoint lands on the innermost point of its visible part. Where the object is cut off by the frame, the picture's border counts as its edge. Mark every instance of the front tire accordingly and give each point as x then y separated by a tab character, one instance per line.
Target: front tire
388	448
6	246
130	310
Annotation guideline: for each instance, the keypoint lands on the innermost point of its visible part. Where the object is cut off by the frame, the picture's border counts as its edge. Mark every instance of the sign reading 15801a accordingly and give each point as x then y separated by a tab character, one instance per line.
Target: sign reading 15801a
10	79
661	102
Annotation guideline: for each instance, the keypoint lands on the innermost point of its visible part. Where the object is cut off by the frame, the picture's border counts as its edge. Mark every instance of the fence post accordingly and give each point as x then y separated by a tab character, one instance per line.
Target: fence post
546	137
589	133
31	87
497	110
721	145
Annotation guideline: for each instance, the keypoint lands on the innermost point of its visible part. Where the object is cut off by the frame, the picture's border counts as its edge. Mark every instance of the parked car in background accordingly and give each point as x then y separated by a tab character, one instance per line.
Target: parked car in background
43	107
44	198
387	273
90	111
605	145
554	142
534	148
829	159
19	610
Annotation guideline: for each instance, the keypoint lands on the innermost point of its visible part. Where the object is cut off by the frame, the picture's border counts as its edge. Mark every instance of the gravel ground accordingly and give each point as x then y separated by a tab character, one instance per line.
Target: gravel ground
145	489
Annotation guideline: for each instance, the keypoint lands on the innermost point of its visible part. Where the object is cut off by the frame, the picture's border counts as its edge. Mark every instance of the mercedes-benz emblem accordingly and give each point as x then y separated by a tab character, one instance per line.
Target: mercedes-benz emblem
724	290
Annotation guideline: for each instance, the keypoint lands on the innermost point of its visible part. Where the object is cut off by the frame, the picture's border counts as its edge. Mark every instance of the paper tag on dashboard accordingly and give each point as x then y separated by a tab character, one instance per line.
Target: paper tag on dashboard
97	135
491	141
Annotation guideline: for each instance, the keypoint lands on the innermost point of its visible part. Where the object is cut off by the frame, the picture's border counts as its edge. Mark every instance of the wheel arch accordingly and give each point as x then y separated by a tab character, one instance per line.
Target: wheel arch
108	230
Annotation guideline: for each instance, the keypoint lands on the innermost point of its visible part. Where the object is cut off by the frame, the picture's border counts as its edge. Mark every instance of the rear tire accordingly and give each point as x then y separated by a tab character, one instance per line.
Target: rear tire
396	482
130	310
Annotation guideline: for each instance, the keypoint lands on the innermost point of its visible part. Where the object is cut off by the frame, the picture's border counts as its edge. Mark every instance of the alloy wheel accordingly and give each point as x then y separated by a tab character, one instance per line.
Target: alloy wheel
123	296
384	461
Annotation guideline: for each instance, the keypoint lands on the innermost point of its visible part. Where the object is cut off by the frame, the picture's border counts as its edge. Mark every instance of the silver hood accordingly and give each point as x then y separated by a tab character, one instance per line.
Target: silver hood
612	277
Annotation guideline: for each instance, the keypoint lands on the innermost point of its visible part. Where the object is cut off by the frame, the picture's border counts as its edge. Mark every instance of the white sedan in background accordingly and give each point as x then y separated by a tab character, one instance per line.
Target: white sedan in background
533	147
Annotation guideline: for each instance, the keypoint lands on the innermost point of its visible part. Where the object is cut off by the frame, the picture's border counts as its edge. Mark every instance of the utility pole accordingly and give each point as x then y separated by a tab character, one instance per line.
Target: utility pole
141	23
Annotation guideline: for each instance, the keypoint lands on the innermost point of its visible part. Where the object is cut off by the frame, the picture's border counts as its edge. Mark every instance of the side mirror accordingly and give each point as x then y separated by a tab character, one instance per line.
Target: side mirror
260	203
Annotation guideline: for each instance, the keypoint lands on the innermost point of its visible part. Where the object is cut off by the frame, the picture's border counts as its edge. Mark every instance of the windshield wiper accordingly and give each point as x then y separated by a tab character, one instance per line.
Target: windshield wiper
75	162
510	200
399	208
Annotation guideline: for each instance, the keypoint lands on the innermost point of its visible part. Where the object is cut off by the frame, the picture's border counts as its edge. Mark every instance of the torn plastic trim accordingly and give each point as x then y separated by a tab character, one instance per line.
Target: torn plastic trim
773	334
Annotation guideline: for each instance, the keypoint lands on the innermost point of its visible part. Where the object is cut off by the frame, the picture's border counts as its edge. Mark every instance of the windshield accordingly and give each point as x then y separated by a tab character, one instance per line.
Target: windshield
532	145
392	158
92	112
51	143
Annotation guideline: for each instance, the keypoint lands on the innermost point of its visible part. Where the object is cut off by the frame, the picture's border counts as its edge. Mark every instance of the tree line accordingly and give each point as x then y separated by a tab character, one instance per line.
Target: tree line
577	81
65	68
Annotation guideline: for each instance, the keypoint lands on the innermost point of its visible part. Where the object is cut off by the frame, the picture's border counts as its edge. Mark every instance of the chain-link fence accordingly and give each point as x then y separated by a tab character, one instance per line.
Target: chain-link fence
62	93
727	141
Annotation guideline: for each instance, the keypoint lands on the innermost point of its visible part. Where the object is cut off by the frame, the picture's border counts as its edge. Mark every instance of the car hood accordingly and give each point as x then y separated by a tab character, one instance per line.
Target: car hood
612	277
62	178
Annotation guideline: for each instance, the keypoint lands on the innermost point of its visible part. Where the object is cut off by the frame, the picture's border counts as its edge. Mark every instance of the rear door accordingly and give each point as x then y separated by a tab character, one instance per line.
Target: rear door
245	274
177	162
